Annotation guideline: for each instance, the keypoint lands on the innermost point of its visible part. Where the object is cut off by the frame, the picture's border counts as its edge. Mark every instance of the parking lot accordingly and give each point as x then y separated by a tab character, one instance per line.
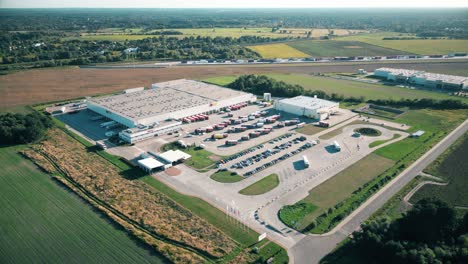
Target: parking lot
296	180
219	147
261	157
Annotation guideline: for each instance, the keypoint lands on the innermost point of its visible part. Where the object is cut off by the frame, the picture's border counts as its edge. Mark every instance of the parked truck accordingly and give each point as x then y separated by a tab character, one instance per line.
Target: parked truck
231	142
306	161
219	136
323	124
337	146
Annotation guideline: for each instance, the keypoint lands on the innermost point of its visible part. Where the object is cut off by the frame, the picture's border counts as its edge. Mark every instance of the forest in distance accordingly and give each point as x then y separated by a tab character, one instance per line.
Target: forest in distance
37	38
443	22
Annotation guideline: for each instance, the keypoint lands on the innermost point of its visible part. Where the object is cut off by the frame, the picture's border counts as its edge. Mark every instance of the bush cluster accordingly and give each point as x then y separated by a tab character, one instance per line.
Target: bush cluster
22	129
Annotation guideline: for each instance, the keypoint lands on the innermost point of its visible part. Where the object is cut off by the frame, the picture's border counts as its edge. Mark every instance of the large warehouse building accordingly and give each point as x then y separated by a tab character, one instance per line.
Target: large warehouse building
311	107
167	100
426	79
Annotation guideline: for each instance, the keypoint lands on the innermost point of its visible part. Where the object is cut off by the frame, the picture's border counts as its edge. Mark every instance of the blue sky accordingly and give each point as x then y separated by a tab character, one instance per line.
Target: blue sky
229	3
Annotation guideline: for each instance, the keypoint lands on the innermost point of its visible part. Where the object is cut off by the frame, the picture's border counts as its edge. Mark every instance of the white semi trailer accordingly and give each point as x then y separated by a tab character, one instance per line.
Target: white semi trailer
306	161
337	146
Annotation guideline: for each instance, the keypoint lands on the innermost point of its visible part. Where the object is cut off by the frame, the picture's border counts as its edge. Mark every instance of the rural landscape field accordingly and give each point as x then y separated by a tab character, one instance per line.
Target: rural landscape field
233	132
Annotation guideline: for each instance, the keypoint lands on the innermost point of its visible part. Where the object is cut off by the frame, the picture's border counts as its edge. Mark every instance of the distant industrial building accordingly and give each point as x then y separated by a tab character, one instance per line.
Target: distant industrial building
311	107
422	78
159	110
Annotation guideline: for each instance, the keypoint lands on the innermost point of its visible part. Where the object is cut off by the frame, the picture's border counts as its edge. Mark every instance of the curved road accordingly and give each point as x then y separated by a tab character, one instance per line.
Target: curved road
312	248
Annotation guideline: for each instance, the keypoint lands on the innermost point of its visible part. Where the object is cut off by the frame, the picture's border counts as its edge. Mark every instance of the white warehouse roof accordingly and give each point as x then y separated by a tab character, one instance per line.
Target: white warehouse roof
172	99
174	155
308	102
150	163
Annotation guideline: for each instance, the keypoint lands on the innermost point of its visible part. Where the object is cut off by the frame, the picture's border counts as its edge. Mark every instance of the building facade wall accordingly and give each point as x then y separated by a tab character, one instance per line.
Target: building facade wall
319	113
149	133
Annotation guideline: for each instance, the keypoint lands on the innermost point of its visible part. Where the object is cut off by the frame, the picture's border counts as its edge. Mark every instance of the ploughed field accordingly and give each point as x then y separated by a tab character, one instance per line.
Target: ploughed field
35	86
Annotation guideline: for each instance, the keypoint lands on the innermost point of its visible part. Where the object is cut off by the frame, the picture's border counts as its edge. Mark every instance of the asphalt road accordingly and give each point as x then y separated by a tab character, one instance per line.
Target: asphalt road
312	248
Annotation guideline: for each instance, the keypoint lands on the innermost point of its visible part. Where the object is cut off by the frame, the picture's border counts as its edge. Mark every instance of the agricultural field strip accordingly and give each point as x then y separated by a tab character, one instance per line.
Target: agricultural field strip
450	166
69	171
119	35
56	223
418	46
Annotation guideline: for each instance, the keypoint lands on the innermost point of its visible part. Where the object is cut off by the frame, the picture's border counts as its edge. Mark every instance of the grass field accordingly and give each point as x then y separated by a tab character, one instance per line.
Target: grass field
310	129
431	121
346	88
341	186
201	158
417	46
293	215
332	48
43	222
262	186
380	142
452	167
226	177
356	89
280	50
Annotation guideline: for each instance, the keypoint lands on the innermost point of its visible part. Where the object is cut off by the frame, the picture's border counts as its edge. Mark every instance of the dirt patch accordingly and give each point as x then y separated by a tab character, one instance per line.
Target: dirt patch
352	47
214	157
173	171
44	85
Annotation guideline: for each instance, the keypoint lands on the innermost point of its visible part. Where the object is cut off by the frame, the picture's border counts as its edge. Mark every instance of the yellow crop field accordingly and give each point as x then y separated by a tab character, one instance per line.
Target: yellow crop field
416	46
278	51
119	34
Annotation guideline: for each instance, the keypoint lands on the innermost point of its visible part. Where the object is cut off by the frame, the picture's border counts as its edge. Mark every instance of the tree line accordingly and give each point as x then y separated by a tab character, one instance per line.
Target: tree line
431	232
33	49
259	84
22	129
446	22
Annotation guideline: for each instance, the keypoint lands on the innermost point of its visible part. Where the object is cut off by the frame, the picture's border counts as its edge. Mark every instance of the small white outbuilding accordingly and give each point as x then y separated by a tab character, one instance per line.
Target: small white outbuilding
150	165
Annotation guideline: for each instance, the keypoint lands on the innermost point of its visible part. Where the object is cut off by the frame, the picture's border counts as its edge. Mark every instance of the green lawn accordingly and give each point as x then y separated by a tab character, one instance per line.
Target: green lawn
380	142
433	122
310	129
341	186
201	158
417	46
221	80
332	48
43	222
226	177
262	186
451	166
338	131
293	215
